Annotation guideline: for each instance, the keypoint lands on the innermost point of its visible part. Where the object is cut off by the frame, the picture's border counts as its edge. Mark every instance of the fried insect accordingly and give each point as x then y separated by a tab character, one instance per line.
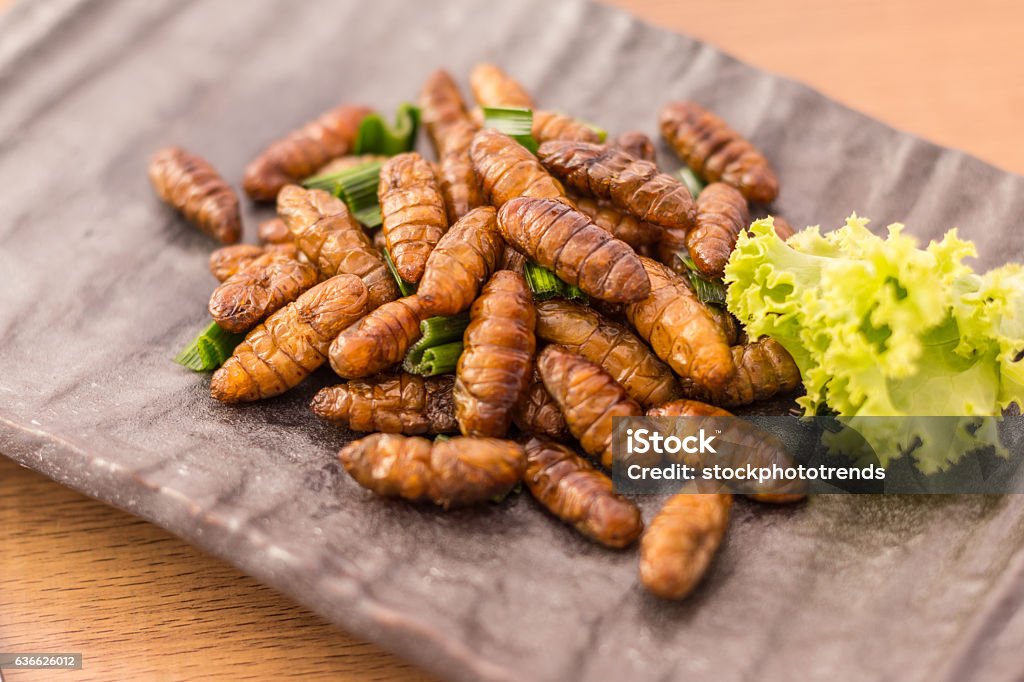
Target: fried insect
394	403
716	152
636	144
588	397
492	87
274	231
550	125
343	163
508	170
378	341
449	473
632	184
721	215
646	379
564	240
461	262
681	330
190	184
302	152
687	408
513	260
783	228
264	286
451	130
413	213
763	369
537	413
681	541
497	358
333	241
291	343
573	490
617	223
225	261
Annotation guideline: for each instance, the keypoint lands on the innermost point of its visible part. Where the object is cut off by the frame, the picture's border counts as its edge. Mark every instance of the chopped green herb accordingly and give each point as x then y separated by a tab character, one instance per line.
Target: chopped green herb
407	288
375	136
515	122
209	350
438	350
544	285
357	187
691	180
708	290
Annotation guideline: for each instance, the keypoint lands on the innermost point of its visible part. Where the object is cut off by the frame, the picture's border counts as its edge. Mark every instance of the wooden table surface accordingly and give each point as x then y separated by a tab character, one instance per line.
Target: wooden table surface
78	576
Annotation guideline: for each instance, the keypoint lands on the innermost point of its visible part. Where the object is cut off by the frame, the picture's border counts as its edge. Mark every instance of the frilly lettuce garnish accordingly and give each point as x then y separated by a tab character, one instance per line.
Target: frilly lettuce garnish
882	328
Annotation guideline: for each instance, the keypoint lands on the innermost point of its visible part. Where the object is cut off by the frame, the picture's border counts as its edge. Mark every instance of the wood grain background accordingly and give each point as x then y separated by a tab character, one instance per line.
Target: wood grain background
140	604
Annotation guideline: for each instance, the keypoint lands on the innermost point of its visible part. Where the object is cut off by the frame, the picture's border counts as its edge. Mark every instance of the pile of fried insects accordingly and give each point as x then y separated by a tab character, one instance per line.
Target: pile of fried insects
524	289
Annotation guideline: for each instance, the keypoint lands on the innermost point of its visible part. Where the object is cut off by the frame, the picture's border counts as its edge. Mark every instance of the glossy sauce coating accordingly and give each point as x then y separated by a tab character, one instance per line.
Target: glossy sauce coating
617	222
764	369
190	184
274	231
378	341
390	403
462	261
721	215
507	170
413	212
264	286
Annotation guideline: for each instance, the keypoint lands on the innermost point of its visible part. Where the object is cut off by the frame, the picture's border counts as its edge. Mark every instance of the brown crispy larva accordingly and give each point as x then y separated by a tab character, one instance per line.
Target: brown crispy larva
291	343
580	495
513	260
687	408
492	87
613	347
716	152
302	152
721	215
636	144
449	473
537	413
274	231
344	163
461	262
632	184
227	260
681	330
264	286
497	358
681	541
412	211
391	403
508	170
561	238
783	228
378	341
333	241
190	184
618	223
763	369
550	125
589	399
451	130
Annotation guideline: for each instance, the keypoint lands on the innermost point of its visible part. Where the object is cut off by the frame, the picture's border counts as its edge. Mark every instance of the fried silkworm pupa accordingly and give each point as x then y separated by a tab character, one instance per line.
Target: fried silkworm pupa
721	215
492	87
513	260
628	361
716	152
687	408
264	286
190	184
497	358
302	152
573	490
333	241
763	369
681	330
412	210
451	130
392	403
632	184
461	262
564	240
291	343
508	170
617	223
343	163
450	473
550	125
681	541
227	260
538	414
636	144
378	341
589	399
783	228
274	231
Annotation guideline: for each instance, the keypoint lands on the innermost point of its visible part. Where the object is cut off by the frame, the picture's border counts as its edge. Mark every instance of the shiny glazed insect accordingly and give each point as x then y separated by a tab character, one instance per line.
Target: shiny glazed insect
390	403
462	261
190	184
264	286
412	212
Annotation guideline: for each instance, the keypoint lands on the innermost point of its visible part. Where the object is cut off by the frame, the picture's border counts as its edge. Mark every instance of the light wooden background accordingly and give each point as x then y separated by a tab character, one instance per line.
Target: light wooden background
76	575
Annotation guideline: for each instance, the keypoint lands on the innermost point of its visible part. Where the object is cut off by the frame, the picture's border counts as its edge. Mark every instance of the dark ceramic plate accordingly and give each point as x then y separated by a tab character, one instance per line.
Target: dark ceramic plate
100	286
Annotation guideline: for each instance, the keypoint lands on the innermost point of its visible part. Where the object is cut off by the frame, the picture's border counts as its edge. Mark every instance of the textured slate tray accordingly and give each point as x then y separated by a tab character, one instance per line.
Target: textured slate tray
100	286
